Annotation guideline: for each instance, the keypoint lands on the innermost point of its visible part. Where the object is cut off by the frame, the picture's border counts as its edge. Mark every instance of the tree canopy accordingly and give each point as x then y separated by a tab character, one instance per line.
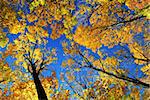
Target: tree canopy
74	49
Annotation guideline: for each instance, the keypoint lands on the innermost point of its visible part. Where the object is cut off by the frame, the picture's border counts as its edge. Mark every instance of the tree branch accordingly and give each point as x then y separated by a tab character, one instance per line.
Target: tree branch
2	81
122	77
142	59
41	65
27	59
73	88
117	23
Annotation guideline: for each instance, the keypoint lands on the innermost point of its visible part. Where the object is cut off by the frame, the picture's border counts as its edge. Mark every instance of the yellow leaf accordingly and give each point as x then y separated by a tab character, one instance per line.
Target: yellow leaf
63	64
37	53
45	33
31	17
1	92
32	29
31	37
42	2
100	53
146	69
17	27
77	69
64	11
25	65
121	1
70	62
3	42
146	13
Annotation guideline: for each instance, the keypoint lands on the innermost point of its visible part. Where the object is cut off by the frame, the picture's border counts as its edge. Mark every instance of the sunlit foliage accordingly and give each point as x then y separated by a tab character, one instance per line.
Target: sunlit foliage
106	51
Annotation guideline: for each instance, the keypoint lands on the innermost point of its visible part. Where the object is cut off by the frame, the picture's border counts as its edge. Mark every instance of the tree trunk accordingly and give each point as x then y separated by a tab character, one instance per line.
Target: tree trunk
39	88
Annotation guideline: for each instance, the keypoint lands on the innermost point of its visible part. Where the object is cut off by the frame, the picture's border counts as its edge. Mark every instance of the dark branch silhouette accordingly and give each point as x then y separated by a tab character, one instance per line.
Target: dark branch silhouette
122	77
35	74
118	23
2	81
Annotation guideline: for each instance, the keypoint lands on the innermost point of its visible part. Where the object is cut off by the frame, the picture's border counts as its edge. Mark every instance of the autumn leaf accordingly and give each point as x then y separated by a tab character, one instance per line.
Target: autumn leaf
31	18
3	41
31	37
146	69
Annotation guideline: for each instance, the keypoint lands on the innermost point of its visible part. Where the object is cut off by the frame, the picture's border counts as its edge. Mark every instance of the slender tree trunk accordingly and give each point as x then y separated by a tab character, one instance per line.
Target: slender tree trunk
39	88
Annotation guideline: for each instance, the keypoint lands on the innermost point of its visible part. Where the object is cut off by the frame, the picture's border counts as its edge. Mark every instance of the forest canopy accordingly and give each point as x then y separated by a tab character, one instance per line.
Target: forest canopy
74	49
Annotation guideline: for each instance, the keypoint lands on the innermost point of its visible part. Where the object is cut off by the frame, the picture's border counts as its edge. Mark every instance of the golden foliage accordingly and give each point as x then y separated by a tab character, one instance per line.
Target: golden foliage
146	69
5	72
85	37
138	52
3	40
27	90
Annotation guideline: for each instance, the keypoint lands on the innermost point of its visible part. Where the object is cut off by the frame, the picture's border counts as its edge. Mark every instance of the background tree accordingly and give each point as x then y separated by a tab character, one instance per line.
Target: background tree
110	77
118	34
29	56
28	48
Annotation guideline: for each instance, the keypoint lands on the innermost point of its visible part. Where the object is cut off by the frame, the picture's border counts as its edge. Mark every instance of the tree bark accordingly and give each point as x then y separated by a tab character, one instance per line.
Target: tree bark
39	88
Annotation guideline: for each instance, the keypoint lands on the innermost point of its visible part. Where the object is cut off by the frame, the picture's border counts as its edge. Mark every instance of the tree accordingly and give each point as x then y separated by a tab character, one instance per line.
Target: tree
28	48
116	25
32	58
109	79
107	36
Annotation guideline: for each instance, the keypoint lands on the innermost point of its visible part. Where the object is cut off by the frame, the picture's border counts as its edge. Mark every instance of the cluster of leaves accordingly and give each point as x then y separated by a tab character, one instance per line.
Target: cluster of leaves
109	83
40	15
114	23
8	17
27	90
4	72
111	23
